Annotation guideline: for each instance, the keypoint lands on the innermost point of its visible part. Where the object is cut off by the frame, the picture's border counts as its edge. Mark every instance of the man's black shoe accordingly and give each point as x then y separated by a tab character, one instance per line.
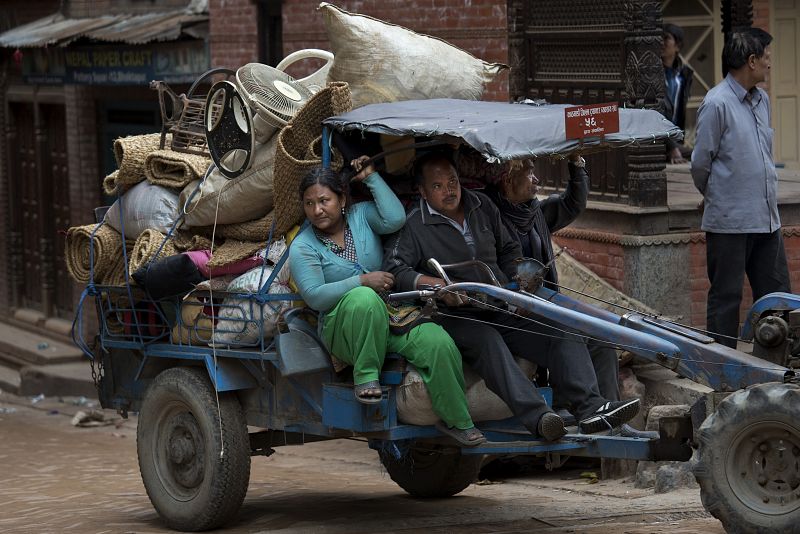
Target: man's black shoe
551	427
610	415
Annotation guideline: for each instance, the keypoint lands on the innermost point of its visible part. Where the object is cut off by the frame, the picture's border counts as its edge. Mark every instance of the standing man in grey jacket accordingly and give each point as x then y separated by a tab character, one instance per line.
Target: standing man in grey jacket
732	167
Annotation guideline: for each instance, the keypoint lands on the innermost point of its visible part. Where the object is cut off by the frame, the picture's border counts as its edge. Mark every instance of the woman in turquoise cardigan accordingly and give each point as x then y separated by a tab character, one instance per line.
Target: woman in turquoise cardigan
335	261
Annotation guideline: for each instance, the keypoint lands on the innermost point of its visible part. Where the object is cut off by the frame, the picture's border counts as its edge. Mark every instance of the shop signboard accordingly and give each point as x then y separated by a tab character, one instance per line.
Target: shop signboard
179	62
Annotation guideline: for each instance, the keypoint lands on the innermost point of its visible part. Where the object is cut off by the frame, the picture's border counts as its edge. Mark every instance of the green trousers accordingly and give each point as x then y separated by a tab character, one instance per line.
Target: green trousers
356	331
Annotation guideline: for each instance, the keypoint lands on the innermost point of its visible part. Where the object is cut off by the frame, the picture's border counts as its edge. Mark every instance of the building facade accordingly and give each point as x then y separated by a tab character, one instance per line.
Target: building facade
65	98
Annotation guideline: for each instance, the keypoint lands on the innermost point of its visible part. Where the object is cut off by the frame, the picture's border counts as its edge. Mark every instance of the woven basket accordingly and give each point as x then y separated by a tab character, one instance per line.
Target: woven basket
174	169
294	157
130	153
147	247
107	245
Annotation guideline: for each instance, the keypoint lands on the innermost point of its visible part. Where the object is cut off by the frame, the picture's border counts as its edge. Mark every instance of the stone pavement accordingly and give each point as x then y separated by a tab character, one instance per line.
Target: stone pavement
57	478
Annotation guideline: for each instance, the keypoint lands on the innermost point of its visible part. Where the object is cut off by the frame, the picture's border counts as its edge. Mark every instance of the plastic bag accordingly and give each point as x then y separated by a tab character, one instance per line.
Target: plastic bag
144	206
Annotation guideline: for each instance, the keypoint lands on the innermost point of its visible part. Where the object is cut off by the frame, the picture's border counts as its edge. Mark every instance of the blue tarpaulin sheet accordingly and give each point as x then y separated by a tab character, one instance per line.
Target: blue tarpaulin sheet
501	131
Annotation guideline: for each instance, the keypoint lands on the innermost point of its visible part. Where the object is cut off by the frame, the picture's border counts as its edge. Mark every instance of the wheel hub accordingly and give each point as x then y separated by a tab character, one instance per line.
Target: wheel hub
181	454
765	461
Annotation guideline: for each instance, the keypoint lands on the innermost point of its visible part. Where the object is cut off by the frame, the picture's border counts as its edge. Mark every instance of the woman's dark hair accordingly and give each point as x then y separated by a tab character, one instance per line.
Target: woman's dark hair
742	44
327	178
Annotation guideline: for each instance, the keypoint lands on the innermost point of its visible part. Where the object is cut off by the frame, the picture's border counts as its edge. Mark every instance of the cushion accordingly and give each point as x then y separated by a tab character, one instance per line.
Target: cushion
168	277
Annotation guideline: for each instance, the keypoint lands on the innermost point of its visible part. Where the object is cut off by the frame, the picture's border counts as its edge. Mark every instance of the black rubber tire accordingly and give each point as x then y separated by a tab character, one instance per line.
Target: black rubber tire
748	460
430	471
179	438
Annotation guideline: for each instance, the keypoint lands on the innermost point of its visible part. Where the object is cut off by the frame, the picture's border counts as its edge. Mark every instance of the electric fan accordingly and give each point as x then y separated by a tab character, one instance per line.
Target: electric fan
274	96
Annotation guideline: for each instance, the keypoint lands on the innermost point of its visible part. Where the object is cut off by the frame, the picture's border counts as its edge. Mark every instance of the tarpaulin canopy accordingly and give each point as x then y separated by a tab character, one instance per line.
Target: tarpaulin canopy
501	131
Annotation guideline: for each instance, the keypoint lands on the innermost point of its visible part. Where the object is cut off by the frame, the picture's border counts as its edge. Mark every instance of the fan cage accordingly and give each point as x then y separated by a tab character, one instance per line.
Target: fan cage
255	81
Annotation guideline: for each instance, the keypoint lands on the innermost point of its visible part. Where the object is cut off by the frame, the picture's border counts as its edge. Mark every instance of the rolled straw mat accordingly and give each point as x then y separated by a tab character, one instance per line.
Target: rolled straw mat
255	230
174	169
130	153
292	161
110	186
147	247
106	249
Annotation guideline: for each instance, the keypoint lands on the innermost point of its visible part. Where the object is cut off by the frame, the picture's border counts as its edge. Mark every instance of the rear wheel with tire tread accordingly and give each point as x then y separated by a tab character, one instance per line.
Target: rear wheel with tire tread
748	460
430	471
194	455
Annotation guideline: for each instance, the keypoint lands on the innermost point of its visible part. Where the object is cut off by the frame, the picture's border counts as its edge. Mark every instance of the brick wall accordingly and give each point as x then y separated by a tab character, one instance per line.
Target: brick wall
15	12
604	259
90	8
84	172
761	14
233	37
607	260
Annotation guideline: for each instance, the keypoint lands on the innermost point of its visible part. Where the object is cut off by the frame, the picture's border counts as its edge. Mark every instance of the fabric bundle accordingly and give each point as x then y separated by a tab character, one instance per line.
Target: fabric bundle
233	250
103	249
187	240
148	247
229	201
174	169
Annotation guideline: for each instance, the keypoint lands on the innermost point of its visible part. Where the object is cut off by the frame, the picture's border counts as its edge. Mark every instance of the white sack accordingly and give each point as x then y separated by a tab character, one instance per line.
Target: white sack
240	320
144	206
387	63
414	402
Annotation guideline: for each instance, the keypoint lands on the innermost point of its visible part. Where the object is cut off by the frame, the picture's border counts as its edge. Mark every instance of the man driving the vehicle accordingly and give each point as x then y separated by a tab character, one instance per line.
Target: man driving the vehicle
453	225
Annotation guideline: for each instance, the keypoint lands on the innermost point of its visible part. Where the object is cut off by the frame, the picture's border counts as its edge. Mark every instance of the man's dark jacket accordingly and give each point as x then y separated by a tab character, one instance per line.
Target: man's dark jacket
687	74
428	235
549	216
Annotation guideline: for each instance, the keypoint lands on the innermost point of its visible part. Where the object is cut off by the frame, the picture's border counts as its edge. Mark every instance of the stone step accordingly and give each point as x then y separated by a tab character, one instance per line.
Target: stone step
58	380
19	347
665	387
9	379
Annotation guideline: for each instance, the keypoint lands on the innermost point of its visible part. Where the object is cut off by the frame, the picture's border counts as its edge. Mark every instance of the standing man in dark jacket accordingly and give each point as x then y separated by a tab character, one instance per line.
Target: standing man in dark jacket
532	223
678	78
454	225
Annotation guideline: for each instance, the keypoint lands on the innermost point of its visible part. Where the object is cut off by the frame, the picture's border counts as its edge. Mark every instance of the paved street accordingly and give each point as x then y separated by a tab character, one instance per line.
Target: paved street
59	478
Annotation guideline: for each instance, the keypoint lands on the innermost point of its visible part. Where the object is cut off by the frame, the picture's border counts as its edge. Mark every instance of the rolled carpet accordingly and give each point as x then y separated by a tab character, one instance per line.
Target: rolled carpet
174	169
148	247
82	250
130	153
110	187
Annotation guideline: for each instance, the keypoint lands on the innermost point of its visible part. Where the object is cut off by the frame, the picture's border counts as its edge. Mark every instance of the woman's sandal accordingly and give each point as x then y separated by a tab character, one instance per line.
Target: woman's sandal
365	393
468	437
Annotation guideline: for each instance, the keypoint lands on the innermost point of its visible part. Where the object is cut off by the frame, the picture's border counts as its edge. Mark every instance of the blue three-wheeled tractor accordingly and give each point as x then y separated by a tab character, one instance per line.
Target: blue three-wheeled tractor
196	394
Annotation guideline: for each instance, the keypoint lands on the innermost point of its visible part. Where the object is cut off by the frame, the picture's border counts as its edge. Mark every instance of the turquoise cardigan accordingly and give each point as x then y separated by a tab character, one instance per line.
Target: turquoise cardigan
321	276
